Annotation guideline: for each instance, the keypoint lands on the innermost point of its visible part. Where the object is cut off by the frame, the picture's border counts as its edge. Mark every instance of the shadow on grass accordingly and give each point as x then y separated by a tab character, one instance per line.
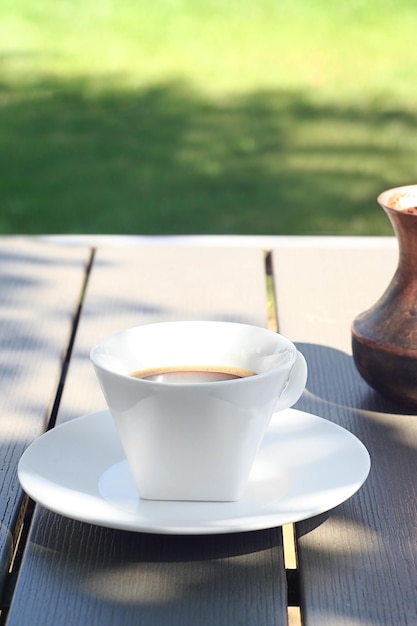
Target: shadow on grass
165	159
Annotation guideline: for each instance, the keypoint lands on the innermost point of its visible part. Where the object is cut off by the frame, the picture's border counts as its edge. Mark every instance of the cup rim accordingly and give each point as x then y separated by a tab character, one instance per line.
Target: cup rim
247	379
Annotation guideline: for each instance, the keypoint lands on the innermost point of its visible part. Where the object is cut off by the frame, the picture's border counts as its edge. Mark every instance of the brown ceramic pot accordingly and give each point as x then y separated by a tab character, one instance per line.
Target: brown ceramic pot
384	338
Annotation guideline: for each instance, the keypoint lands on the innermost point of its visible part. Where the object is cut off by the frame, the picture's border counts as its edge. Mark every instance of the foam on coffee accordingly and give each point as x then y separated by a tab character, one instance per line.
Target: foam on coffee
192	374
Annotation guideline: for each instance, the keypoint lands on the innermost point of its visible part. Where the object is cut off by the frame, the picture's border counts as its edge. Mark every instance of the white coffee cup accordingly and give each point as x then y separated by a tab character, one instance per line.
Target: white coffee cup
196	440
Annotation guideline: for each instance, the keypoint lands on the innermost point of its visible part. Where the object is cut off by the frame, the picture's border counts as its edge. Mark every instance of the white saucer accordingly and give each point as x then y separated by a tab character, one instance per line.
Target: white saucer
306	466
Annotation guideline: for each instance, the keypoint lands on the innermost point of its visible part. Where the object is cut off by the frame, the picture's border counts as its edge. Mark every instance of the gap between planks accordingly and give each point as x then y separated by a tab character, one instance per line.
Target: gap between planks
288	530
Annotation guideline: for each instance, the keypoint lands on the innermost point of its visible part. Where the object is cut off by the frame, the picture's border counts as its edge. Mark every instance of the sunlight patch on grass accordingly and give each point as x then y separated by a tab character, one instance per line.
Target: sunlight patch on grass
335	49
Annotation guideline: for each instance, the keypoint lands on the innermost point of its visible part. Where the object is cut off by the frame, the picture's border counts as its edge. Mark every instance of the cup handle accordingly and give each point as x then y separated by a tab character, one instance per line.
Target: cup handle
295	384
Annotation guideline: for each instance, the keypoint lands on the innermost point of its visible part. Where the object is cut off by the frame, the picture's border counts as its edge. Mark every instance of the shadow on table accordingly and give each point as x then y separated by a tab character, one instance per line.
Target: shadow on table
133	578
336	391
366	548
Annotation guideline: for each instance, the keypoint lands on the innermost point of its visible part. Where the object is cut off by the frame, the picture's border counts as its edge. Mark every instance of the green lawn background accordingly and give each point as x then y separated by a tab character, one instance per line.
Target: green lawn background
184	116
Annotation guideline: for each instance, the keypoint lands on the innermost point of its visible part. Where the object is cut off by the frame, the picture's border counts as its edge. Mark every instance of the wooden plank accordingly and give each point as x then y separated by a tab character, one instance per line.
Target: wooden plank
96	576
93	576
358	566
40	286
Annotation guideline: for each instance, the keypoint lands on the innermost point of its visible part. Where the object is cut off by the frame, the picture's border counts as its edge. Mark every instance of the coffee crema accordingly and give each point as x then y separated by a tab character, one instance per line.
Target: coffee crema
192	374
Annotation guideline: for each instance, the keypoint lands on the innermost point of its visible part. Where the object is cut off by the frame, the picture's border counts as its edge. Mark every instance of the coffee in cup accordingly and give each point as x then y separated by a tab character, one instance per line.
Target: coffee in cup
192	373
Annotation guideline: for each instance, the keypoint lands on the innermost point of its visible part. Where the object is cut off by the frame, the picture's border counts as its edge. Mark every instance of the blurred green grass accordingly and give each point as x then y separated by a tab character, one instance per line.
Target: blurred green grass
183	116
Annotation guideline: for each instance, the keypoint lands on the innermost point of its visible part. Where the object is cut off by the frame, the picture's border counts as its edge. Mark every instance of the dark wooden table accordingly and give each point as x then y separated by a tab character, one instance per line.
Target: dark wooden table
355	566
